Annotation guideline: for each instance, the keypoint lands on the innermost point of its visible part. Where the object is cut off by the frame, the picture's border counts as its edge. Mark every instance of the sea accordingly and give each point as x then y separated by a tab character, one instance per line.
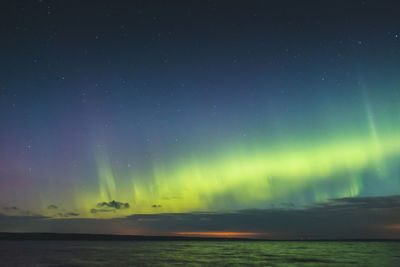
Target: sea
198	253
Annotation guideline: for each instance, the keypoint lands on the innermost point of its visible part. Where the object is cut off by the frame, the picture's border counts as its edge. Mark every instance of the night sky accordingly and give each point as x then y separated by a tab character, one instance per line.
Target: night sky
276	119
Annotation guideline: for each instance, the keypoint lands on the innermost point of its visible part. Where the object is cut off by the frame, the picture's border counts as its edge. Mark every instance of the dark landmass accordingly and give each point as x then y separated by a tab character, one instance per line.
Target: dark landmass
101	237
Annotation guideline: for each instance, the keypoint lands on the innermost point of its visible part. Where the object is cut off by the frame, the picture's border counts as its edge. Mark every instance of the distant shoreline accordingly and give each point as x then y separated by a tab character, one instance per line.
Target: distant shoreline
109	237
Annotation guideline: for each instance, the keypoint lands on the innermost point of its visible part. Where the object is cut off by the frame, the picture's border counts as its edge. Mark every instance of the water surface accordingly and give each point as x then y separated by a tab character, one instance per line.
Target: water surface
192	253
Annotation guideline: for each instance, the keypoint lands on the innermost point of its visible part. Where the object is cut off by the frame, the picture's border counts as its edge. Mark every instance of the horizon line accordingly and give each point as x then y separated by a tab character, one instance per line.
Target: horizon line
49	236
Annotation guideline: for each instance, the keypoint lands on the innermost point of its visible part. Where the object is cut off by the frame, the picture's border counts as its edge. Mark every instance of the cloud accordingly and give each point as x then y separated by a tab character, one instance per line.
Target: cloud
101	210
59	211
364	203
68	214
10	208
111	206
15	211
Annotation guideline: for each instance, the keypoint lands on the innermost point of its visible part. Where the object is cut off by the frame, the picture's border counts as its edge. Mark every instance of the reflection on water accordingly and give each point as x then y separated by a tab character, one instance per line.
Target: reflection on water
155	253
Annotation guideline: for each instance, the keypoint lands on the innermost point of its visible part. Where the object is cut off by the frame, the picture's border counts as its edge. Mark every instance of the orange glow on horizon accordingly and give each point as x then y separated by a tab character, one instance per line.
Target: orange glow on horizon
394	227
220	234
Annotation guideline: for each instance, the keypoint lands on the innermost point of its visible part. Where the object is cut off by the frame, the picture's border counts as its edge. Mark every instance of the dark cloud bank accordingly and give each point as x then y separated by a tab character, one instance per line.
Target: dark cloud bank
362	217
111	206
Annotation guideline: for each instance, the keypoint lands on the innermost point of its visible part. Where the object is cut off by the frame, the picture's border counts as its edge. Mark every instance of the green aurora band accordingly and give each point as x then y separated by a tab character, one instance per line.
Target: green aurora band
245	180
294	170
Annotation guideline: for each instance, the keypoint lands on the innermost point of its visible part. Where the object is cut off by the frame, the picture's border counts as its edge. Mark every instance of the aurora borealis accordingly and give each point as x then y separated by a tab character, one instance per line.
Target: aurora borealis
139	115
